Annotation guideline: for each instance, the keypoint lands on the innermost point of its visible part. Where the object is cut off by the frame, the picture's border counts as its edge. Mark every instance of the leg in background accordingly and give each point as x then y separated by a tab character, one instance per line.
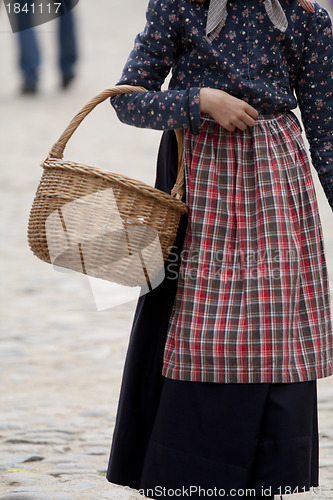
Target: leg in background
67	47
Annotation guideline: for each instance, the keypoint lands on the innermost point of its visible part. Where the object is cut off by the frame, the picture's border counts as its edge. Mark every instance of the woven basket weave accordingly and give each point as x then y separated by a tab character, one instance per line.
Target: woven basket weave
101	223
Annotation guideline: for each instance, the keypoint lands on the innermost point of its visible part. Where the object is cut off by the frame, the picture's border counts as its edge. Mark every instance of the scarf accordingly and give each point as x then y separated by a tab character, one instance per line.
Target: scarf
217	15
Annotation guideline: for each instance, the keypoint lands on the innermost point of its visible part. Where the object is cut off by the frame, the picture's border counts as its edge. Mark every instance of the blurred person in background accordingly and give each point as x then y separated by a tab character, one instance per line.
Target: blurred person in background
29	51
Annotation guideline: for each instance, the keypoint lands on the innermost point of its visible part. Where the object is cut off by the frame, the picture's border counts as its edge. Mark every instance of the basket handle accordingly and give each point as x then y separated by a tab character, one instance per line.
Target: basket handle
58	148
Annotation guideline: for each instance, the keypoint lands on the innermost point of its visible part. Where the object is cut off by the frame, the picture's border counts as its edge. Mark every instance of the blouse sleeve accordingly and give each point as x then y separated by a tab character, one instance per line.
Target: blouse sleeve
314	91
153	56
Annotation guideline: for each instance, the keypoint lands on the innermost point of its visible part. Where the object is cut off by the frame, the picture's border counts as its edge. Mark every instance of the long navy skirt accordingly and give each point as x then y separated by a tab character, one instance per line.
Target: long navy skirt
171	436
241	440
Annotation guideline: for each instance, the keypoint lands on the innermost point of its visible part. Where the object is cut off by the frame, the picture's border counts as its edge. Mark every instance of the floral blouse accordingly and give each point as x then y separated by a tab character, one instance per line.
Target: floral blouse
251	59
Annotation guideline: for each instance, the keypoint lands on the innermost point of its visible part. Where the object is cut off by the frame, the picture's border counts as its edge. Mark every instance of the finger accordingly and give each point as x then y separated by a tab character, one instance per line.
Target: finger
248	120
252	112
239	124
230	127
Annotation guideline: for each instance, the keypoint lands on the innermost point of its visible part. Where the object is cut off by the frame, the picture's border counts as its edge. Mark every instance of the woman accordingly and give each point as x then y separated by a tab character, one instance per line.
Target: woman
223	380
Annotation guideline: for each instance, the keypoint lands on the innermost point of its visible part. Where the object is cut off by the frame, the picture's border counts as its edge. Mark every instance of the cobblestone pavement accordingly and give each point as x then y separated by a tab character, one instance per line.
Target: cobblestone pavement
60	359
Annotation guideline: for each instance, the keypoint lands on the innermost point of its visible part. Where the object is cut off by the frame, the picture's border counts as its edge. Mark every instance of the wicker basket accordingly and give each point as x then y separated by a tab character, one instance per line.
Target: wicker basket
101	223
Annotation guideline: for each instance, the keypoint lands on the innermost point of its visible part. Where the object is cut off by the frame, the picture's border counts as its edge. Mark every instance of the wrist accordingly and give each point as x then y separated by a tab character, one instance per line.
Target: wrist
205	100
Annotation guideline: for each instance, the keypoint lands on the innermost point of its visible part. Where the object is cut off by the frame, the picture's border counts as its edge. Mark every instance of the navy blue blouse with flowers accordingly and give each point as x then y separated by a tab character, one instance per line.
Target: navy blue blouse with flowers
251	59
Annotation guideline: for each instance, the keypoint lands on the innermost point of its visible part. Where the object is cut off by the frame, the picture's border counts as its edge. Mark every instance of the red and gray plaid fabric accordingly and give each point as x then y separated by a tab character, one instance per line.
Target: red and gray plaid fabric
253	302
217	15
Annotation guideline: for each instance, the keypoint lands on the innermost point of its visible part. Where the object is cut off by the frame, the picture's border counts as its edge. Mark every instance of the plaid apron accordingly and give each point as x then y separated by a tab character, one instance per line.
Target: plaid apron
253	301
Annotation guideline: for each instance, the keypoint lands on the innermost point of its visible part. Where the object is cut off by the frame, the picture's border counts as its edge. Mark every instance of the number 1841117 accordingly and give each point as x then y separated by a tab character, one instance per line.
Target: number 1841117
33	8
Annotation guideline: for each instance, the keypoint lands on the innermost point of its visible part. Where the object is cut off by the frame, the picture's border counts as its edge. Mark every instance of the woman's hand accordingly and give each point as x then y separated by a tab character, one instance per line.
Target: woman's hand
229	111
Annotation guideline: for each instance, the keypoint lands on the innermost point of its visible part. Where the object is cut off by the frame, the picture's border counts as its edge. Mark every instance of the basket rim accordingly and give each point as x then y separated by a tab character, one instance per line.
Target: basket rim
124	181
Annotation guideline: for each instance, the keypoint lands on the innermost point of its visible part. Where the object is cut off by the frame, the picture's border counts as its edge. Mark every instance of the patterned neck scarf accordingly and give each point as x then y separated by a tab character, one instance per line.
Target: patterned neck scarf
217	15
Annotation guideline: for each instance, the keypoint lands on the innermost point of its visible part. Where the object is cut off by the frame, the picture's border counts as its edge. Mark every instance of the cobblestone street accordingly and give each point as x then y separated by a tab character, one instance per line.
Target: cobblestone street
61	359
